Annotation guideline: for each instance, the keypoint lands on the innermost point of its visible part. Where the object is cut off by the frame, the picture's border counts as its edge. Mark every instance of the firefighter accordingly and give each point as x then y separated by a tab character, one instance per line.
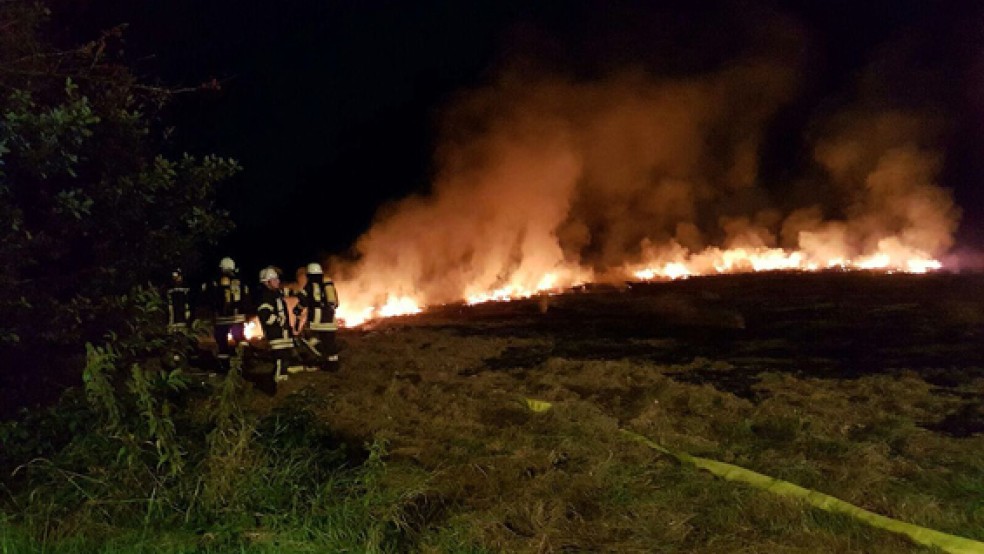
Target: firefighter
293	291
319	300
177	296
300	279
275	320
178	303
228	299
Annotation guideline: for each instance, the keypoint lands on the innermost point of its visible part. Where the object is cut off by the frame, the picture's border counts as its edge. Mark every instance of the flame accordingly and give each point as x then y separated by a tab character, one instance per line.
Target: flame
923	266
401	305
546	284
741	260
252	329
549	183
711	261
394	306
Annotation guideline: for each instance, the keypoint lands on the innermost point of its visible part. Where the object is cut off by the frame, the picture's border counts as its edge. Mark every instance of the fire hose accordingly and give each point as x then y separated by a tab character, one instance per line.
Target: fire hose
922	535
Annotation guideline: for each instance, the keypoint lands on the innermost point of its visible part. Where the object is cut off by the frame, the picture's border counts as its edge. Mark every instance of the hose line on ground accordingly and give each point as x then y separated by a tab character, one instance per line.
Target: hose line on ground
922	535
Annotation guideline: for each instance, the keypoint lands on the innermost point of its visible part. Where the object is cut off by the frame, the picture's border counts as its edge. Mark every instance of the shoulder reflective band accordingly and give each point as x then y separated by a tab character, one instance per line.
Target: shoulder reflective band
921	535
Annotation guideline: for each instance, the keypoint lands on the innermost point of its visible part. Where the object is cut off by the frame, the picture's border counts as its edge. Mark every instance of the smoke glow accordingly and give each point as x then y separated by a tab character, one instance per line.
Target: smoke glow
546	182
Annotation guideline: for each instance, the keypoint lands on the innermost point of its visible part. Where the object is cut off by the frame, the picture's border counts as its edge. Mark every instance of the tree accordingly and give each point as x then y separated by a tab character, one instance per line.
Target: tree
89	207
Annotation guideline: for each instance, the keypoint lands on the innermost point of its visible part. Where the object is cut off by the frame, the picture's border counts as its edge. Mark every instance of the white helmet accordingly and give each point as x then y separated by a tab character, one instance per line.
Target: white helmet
226	264
314	268
268	274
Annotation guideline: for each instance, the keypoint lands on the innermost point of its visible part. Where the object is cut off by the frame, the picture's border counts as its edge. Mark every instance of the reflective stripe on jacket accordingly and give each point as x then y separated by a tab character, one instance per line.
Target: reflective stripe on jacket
320	299
274	319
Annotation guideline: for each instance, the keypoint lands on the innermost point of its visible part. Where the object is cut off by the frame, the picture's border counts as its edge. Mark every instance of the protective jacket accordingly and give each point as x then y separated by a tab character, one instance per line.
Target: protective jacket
320	299
178	307
274	319
228	298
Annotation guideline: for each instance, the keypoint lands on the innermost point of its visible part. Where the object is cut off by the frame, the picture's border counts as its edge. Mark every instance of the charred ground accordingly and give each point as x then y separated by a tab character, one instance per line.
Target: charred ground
728	331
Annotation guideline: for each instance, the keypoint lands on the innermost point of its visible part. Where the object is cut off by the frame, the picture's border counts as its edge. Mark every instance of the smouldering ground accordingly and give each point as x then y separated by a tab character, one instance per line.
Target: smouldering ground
866	387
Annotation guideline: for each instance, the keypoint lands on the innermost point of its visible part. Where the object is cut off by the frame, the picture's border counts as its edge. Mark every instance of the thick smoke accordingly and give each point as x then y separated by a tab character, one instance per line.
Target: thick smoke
884	167
576	180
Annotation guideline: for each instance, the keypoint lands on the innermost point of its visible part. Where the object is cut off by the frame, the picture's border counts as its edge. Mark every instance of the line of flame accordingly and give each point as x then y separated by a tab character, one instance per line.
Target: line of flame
708	262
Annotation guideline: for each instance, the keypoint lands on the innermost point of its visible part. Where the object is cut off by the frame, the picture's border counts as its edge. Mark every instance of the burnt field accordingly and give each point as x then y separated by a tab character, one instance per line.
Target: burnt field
729	331
823	325
867	387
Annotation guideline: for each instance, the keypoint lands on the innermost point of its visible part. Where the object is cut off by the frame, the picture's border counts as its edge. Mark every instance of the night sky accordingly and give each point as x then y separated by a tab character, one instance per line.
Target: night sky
334	108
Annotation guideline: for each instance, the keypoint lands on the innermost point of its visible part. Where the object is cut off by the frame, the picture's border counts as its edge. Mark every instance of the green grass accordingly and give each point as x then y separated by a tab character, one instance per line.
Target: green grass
369	509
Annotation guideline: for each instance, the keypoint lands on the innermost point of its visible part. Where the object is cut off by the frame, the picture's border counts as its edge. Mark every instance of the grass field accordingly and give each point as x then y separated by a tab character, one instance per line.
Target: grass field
865	387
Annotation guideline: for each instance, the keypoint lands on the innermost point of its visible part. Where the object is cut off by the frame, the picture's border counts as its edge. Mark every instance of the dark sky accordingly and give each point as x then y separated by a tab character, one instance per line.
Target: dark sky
333	107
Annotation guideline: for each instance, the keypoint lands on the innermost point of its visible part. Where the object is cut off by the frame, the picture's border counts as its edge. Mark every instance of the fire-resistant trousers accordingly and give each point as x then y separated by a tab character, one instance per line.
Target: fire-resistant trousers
323	345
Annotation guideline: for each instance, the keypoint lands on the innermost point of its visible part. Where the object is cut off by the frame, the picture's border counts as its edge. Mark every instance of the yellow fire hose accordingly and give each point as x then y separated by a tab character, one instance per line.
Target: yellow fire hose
921	535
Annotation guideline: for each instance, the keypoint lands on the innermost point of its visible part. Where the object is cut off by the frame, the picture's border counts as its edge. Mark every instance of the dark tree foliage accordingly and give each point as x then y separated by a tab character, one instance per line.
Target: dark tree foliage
88	206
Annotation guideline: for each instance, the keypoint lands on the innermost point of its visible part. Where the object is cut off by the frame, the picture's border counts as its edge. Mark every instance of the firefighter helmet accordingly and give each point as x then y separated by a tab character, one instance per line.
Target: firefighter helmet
226	264
314	269
268	274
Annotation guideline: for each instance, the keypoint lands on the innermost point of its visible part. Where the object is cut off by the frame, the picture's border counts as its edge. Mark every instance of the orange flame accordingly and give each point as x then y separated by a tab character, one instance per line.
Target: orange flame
252	329
564	183
741	260
394	306
683	264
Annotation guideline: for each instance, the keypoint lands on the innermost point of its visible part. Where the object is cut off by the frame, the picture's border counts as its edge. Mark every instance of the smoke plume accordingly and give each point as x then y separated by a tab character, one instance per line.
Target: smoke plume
547	181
